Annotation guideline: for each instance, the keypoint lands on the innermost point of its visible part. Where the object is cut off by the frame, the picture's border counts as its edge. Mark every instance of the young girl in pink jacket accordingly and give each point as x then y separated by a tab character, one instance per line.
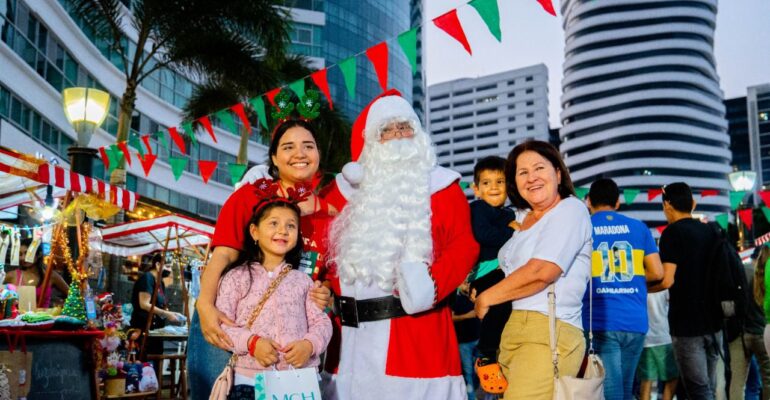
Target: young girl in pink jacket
289	330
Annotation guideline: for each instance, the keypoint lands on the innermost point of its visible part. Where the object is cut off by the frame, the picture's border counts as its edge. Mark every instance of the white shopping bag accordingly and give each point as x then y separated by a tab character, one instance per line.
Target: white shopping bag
292	384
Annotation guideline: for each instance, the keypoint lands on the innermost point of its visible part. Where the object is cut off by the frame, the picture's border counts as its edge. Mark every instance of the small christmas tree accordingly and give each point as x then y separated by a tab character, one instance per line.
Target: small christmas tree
75	305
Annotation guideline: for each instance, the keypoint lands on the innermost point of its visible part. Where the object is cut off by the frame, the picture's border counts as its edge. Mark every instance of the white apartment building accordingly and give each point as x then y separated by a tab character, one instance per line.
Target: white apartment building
470	119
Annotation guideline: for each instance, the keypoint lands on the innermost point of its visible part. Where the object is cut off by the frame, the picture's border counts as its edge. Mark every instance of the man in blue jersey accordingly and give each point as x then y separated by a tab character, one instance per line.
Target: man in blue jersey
625	258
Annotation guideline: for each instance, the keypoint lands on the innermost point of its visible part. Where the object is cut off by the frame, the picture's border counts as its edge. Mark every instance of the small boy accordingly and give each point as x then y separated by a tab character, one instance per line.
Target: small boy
492	224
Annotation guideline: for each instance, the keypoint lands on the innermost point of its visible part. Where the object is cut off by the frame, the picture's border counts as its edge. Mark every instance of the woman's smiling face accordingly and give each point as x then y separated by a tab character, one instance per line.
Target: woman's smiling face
537	180
296	156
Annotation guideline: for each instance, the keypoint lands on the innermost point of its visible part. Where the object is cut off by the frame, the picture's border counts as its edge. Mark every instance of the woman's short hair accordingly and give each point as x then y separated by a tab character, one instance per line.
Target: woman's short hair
547	151
278	133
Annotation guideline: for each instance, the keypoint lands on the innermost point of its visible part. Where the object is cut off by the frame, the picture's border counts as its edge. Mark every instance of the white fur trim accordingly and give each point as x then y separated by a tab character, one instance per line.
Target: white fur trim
345	188
441	178
416	287
353	173
386	109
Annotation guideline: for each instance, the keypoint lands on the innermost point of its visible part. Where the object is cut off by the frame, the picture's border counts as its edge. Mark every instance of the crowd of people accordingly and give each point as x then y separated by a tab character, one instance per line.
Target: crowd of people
394	287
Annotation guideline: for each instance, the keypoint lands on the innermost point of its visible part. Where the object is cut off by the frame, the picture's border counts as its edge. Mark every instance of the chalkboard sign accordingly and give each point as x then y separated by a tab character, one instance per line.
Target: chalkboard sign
59	370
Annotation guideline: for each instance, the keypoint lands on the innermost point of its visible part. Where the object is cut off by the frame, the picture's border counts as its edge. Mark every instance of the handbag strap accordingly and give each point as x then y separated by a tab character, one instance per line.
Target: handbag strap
552	323
270	289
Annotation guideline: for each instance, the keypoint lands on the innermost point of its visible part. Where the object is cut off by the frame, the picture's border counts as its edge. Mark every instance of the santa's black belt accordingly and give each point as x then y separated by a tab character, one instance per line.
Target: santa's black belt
352	311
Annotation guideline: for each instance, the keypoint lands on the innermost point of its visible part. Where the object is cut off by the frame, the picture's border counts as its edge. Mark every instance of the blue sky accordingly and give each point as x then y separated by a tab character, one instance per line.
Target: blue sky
531	36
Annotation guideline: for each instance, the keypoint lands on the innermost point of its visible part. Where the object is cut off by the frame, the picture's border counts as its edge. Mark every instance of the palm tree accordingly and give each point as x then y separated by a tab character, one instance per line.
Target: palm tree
234	40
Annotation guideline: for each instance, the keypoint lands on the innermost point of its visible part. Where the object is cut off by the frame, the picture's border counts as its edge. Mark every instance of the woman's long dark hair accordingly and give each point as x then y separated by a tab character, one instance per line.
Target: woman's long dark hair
280	130
251	250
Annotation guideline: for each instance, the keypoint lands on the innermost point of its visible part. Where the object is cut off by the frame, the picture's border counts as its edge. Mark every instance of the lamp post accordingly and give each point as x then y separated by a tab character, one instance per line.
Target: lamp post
742	181
86	109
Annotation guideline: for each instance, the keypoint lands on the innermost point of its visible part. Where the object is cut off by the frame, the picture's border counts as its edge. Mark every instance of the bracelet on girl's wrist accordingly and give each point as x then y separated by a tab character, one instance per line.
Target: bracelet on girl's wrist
252	343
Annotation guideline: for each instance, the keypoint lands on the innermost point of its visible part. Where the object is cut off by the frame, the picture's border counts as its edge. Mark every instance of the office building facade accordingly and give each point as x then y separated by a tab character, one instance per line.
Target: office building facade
758	105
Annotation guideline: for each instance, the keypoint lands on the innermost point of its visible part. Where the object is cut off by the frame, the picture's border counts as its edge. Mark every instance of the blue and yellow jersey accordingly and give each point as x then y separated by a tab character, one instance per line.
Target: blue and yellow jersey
617	273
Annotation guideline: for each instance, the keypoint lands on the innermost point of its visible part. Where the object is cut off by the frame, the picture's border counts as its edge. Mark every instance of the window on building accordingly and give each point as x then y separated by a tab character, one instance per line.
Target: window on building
511	106
487	147
463	139
463	127
443	142
462	92
440	97
464	115
530	103
441	131
486	123
529	79
486	87
462	104
511	119
530	115
486	111
764	116
530	127
464	162
442	108
486	99
486	135
530	91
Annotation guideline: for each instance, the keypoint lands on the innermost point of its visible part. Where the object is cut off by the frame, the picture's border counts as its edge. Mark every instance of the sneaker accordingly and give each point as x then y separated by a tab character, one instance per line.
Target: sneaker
491	376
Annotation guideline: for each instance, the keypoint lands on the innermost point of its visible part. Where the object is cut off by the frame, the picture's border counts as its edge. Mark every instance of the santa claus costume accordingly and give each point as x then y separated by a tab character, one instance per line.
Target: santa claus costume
402	243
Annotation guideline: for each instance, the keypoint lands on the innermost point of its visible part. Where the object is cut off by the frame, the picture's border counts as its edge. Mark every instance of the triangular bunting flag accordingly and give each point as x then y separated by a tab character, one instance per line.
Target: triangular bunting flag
547	6
241	113
227	120
661	228
319	78
161	135
206	168
653	193
708	192
581	192
146	141
190	132
765	195
378	55
464	185
124	148
134	142
736	198
105	158
177	138
271	95
178	165
298	87
236	172
766	211
259	107
147	161
630	194
113	155
206	122
747	216
450	24
408	43
722	220
348	68
490	13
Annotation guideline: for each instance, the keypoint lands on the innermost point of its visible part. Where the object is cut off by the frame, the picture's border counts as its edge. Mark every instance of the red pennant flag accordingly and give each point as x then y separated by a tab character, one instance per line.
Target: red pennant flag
147	161
378	55
206	168
547	6
146	140
765	195
124	148
177	139
747	216
661	229
206	122
105	159
708	192
241	113
319	78
653	193
450	24
271	95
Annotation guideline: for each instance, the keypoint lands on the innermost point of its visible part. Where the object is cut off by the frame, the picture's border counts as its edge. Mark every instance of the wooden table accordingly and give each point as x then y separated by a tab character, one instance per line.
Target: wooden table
177	390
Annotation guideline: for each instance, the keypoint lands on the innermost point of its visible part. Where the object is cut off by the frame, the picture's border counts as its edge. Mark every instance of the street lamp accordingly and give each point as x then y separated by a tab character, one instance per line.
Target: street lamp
86	109
742	181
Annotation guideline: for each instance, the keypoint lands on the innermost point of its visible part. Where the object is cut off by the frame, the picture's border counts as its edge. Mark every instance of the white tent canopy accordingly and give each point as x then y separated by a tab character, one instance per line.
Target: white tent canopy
145	236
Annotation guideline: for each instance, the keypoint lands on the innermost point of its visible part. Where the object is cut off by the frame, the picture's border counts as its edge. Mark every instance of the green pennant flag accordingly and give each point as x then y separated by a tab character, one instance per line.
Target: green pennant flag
134	142
408	42
766	211
464	185
722	220
581	192
178	165
348	68
630	194
298	87
236	172
227	119
114	155
259	106
161	135
188	128
736	198
489	12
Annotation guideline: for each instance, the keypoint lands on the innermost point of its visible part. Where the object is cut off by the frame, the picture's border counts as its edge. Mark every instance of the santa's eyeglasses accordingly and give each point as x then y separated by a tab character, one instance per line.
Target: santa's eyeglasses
401	129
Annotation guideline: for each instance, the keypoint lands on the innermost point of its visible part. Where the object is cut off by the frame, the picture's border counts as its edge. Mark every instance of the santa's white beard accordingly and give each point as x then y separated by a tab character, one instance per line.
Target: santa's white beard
387	220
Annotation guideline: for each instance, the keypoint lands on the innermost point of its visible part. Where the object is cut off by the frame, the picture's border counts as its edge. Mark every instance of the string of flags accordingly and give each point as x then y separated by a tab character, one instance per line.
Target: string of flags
377	55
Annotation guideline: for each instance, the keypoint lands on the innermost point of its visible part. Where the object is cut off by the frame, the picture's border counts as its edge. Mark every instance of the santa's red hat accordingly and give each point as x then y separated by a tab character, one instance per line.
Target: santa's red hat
385	107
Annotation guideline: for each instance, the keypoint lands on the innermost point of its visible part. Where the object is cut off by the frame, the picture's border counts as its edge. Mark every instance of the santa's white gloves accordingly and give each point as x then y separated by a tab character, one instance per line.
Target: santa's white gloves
415	287
252	175
351	176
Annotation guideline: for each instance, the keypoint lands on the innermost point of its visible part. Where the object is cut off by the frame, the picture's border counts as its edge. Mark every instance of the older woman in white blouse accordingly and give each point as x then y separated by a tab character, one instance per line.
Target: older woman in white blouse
552	246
